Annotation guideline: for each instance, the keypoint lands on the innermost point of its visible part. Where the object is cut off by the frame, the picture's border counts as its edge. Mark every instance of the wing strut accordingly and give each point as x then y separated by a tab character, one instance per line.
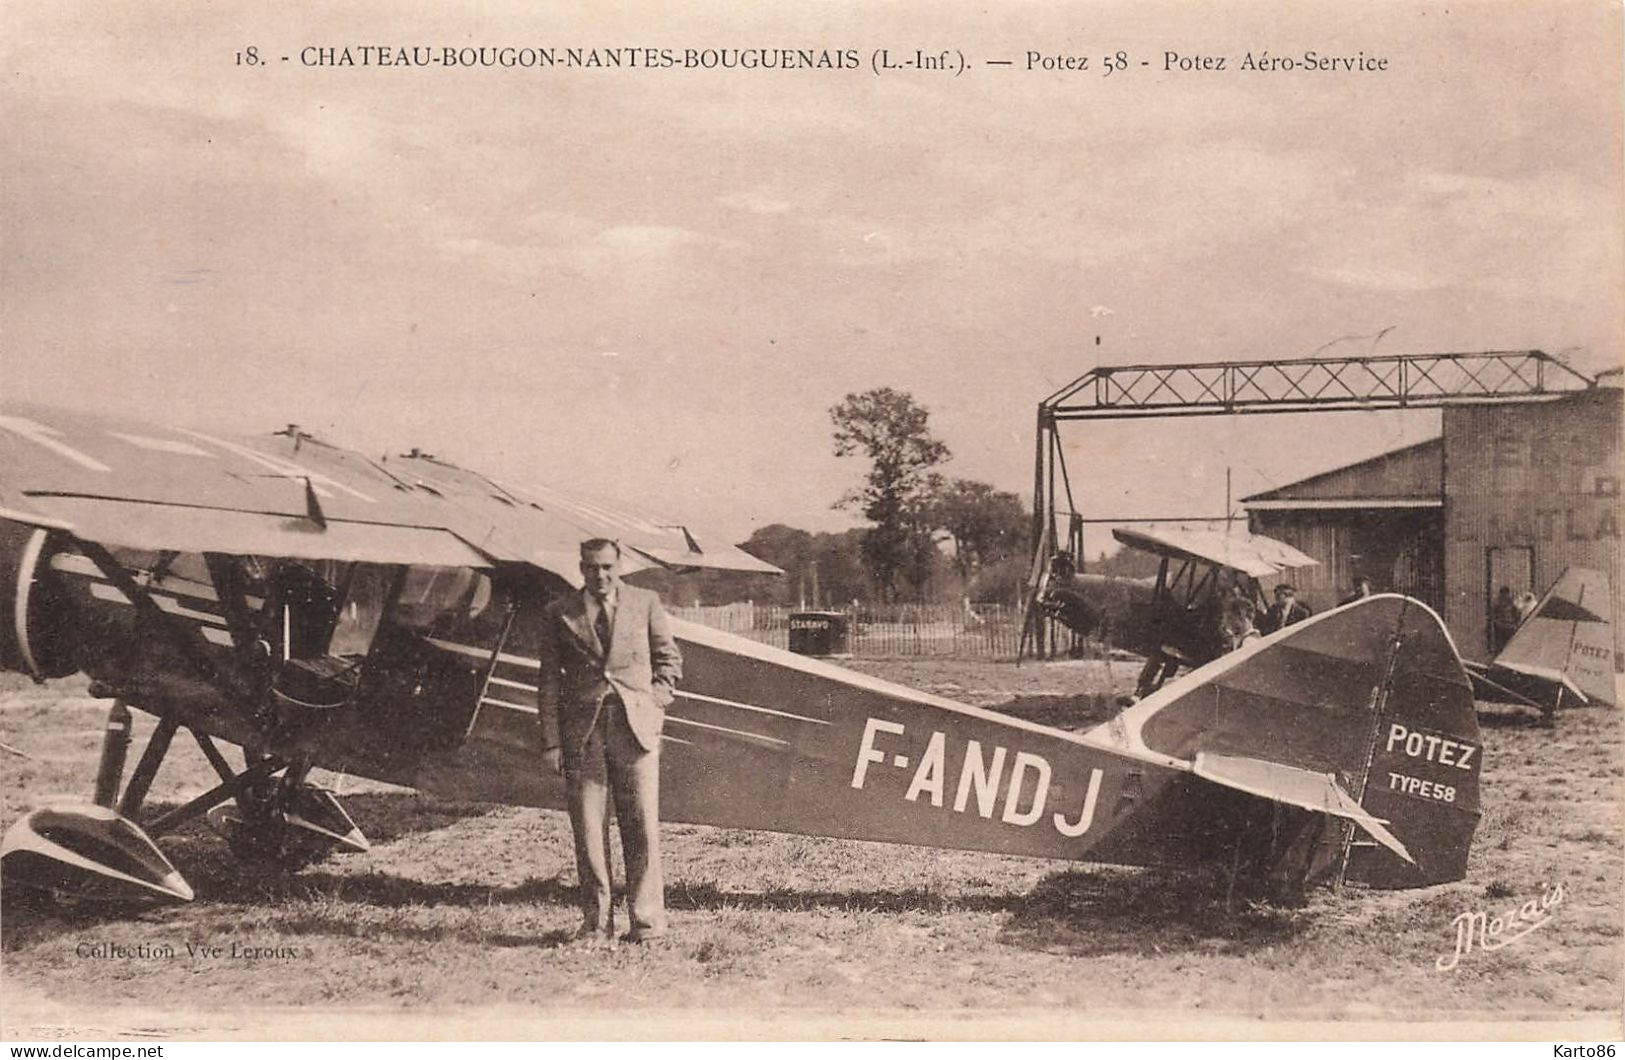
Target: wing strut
186	638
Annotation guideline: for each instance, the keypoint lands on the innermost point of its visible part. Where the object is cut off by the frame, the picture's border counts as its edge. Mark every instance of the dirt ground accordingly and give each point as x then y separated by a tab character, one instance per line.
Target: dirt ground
463	911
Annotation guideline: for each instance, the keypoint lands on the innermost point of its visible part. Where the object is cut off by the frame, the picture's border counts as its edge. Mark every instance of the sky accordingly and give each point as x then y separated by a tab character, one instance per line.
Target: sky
653	284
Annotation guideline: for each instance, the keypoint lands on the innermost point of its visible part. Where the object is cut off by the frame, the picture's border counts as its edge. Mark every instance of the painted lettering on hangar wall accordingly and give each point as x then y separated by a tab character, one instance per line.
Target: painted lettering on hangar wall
1547	478
1542	476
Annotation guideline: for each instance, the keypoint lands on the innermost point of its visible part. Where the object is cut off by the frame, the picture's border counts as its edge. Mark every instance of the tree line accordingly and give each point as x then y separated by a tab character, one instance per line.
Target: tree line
929	537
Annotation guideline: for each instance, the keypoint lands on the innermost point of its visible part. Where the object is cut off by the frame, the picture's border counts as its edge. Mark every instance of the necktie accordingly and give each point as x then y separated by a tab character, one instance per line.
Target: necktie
601	626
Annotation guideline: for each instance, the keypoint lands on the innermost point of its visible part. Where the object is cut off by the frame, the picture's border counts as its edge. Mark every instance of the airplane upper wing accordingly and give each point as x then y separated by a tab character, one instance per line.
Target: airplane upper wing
121	482
571	518
1252	554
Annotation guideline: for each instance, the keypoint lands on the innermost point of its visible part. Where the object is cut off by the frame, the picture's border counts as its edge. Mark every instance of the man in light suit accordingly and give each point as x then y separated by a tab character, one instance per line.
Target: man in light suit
608	669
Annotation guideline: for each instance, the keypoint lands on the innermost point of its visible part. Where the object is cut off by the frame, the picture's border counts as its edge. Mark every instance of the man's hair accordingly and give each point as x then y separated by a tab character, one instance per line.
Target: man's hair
1235	611
595	544
1285	588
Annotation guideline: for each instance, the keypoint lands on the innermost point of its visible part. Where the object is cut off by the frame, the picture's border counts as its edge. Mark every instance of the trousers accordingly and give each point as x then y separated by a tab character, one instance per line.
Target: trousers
610	763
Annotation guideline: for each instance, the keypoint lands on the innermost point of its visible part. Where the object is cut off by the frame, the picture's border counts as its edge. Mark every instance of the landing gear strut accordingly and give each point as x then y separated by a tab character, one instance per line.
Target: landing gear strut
96	851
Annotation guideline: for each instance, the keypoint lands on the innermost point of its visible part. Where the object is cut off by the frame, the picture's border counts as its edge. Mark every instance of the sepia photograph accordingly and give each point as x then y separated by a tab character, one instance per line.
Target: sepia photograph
1042	521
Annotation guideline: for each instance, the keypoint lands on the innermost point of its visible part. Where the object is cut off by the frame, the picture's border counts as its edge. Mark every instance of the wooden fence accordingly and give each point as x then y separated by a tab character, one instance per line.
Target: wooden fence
991	631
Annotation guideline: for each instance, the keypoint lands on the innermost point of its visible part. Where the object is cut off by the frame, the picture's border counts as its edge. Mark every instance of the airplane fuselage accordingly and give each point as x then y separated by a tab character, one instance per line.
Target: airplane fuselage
757	738
427	678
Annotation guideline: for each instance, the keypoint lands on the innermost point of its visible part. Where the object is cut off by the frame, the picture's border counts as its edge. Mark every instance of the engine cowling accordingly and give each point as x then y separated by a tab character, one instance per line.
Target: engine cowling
35	625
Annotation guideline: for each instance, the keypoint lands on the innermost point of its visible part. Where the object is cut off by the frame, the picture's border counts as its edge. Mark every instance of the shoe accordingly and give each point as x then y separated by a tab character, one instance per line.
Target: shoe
639	938
588	935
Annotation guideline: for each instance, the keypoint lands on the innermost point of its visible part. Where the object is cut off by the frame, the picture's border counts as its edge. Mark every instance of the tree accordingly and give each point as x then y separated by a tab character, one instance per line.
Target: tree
832	560
1126	563
890	429
783	546
985	524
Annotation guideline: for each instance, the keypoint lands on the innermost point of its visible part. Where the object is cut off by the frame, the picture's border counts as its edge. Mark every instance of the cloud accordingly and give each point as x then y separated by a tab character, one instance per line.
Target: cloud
1544	237
645	243
755	201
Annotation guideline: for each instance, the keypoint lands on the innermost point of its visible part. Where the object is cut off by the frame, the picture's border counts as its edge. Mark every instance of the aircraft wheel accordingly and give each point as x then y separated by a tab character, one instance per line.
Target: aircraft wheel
256	829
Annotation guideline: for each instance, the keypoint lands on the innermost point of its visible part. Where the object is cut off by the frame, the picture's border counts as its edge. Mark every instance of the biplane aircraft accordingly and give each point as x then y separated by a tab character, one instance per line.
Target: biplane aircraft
380	618
1563	652
1173	620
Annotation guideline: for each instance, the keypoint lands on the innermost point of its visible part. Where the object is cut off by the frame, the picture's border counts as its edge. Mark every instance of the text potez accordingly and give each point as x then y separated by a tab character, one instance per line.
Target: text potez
1431	747
979	779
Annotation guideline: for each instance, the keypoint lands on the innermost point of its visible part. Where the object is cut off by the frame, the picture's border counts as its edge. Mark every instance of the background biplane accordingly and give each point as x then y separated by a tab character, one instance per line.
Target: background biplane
380	618
1174	619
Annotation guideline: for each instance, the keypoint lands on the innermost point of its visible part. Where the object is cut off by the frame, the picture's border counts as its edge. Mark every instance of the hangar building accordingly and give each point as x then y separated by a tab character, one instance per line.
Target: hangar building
1508	495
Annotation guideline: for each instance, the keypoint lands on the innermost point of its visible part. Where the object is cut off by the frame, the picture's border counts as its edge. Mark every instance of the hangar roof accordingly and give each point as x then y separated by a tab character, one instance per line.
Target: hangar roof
1412	477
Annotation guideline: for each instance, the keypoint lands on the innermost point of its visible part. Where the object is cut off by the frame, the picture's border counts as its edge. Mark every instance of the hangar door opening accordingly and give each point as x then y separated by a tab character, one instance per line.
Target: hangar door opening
1510	567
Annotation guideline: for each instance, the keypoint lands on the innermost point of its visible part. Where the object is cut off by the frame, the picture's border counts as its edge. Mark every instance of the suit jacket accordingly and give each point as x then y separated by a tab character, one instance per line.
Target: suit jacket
642	666
1275	619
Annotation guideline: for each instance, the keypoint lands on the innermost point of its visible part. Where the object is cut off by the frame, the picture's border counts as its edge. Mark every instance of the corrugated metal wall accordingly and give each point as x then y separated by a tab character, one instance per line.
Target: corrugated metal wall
1313	534
1537	477
1399	550
1410	472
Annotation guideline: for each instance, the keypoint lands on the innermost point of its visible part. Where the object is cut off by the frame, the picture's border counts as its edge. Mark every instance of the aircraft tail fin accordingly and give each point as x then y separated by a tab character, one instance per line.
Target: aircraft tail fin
1363	713
1425	761
1566	645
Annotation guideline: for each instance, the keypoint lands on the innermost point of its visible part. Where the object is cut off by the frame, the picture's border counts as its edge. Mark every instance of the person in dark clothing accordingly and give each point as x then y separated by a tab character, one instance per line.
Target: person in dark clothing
1286	611
1362	589
1504	619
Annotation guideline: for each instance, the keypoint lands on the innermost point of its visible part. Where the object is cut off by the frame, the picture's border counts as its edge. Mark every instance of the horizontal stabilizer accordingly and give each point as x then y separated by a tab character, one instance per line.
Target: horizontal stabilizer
1485	687
1303	788
1547	674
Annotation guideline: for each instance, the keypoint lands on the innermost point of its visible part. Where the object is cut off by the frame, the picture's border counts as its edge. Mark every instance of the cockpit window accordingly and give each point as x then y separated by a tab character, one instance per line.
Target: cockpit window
365	594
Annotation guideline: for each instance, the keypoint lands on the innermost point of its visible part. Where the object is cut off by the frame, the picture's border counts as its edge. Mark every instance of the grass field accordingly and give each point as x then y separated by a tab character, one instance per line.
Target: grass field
462	912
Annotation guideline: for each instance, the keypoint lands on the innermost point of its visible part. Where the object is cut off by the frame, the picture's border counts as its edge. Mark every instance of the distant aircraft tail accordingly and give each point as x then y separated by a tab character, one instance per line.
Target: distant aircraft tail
1564	648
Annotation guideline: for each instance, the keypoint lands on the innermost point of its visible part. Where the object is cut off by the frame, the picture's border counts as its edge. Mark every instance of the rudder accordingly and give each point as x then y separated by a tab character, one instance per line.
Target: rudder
1425	761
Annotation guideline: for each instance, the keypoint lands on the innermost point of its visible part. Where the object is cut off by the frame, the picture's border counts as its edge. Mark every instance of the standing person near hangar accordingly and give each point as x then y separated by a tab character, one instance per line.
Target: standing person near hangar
1287	609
